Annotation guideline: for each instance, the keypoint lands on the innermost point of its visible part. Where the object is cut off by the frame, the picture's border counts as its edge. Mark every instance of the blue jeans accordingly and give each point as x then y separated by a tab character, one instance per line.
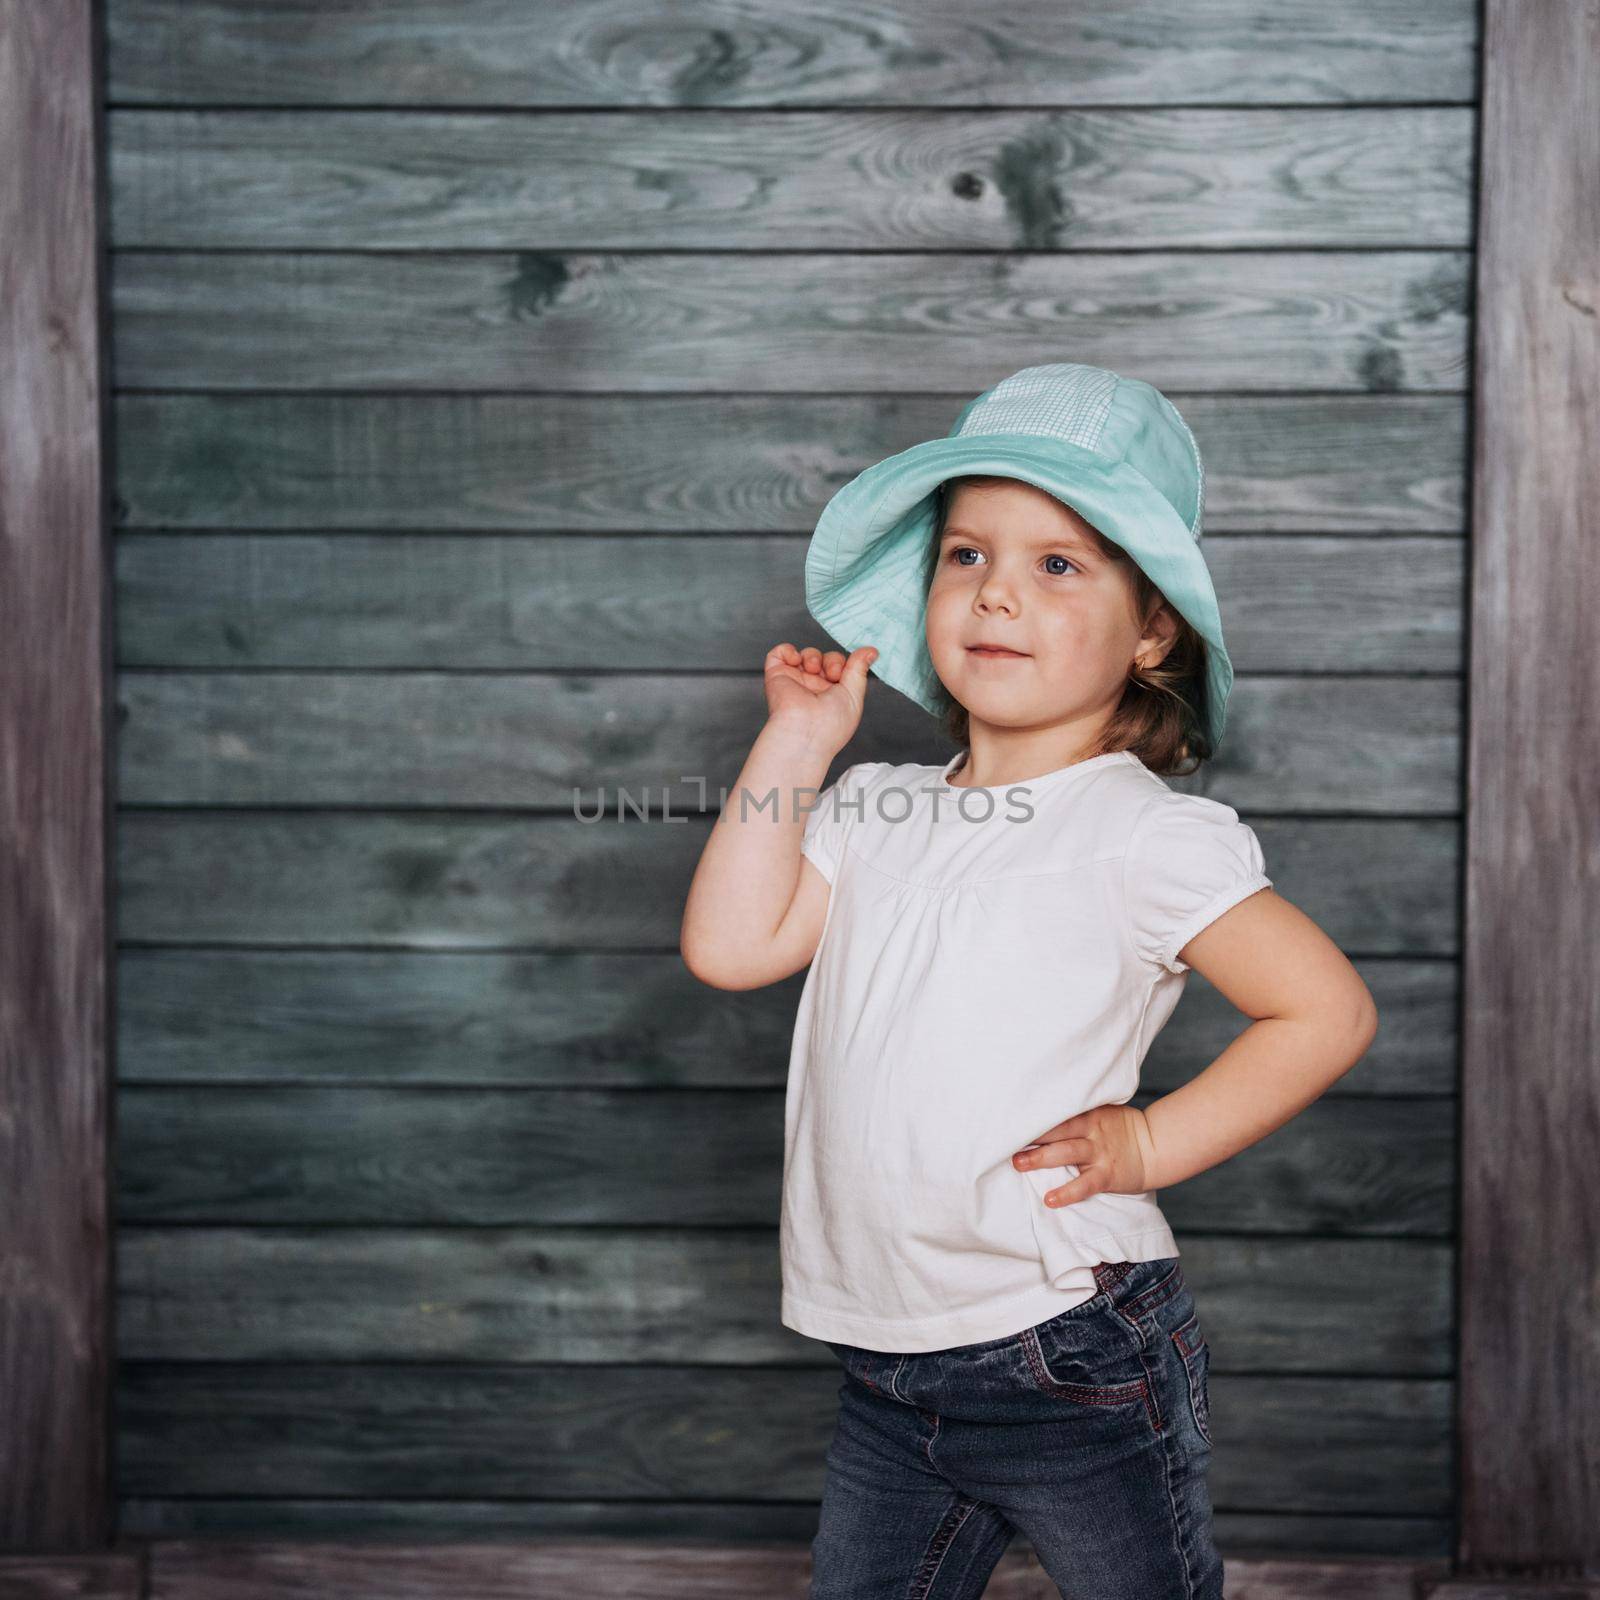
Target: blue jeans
1088	1432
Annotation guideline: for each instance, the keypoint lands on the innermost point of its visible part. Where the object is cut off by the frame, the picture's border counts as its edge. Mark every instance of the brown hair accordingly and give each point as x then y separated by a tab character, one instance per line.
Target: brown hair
1162	714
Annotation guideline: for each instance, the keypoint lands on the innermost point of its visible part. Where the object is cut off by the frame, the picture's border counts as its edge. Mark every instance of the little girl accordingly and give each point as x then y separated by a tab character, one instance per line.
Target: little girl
993	943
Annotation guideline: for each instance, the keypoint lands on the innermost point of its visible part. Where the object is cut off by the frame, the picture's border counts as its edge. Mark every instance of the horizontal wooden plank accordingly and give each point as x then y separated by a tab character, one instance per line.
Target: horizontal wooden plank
1361	744
1338	464
679	1157
673	1569
1352	1445
1362	321
596	1019
1257	1535
813	52
463	881
95	1575
1269	1305
836	180
1301	603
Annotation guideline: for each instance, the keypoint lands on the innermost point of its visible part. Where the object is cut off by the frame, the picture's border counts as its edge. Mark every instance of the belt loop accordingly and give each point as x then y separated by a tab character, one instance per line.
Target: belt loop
1108	1274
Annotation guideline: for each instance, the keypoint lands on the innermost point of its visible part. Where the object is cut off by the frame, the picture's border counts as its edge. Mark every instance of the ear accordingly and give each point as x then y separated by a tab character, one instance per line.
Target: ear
1159	636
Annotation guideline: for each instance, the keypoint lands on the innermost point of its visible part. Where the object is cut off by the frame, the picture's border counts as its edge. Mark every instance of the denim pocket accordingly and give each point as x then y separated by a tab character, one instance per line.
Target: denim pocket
1196	1353
1093	1360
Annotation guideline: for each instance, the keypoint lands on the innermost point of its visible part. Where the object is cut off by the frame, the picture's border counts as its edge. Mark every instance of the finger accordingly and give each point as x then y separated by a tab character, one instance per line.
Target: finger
811	658
1081	1123
783	655
1057	1153
1079	1189
857	664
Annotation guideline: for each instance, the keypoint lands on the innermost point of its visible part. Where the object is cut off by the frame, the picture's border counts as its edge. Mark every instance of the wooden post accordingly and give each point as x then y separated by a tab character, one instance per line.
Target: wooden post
1530	1265
55	1349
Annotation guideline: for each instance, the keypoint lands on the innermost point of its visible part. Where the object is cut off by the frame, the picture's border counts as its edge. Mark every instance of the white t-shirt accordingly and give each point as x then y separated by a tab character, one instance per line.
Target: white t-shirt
992	962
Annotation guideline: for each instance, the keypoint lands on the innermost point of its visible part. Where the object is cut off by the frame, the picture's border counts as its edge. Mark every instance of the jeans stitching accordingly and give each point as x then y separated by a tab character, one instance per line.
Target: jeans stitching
944	1536
1157	1295
1178	1539
1191	1367
1083	1393
894	1380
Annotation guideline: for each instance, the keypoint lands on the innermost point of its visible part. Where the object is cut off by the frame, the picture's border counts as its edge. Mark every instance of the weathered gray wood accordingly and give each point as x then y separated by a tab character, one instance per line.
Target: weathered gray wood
1329	744
1301	1579
636	1569
327	1114
603	1019
667	1432
1269	1305
552	601
684	1157
1515	1589
109	1575
898	180
1409	1538
54	1000
575	1569
1552	1588
450	880
1337	464
1530	1361
1358	321
814	52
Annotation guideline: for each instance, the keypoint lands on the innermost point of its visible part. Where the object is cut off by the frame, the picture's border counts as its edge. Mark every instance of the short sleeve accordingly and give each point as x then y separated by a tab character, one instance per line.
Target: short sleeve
838	806
1189	860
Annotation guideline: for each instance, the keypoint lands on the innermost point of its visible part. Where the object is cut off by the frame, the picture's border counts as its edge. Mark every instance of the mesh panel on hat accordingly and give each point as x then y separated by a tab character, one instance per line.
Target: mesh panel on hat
1063	399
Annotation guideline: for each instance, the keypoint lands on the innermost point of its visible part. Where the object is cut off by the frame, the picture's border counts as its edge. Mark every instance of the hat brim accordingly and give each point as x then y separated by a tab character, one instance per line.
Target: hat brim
869	562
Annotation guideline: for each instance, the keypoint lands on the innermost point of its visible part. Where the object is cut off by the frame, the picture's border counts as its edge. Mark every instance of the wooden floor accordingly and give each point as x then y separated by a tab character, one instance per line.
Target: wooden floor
239	1569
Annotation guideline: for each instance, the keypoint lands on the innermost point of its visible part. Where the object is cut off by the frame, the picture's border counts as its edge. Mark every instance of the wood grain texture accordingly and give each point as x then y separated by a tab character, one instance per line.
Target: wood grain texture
54	658
414	1156
723	1523
717	604
1382	1445
822	180
573	743
113	1575
1355	321
603	1019
637	1569
1530	1485
1280	464
613	1294
757	1561
720	53
576	318
457	880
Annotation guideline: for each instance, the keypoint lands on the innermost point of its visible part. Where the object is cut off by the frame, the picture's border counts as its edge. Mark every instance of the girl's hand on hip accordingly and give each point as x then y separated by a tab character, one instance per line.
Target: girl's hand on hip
1110	1145
821	694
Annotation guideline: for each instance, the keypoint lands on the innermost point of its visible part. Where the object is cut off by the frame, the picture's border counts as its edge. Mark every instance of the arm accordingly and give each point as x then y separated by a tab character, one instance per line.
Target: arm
756	906
1314	1020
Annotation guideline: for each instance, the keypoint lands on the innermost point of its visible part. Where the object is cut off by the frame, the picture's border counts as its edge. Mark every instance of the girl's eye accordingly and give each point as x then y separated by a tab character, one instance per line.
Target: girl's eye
957	551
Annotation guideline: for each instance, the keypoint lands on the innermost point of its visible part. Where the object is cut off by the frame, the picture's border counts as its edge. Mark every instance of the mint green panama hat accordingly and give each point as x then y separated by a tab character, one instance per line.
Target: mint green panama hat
1112	448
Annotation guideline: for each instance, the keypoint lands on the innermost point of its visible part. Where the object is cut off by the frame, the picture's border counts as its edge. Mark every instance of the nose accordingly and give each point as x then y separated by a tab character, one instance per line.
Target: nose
995	594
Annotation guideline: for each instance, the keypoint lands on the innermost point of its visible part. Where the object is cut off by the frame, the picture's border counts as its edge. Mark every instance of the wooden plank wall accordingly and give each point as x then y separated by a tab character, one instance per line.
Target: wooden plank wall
55	791
481	370
1530	1363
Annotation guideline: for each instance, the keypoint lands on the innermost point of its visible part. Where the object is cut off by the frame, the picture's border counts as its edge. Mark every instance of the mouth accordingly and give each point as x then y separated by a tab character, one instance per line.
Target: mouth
994	652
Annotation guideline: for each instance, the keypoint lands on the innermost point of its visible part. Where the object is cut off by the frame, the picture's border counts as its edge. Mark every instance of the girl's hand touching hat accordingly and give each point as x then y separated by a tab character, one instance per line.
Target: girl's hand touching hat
822	694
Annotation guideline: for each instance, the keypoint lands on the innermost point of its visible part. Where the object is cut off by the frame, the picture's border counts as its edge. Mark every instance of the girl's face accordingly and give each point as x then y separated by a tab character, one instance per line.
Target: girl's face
1018	569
